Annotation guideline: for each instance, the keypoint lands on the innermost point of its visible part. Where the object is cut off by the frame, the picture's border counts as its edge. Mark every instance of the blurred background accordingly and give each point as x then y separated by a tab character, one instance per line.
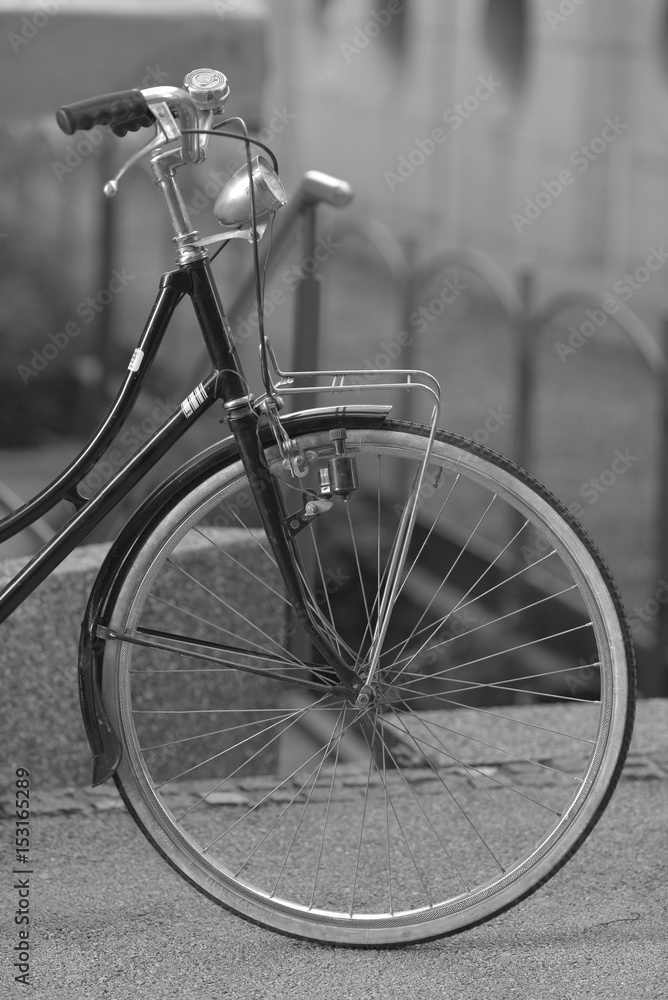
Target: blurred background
509	160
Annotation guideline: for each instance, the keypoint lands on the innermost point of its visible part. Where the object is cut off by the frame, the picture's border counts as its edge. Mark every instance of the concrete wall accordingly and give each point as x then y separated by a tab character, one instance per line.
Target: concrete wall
42	727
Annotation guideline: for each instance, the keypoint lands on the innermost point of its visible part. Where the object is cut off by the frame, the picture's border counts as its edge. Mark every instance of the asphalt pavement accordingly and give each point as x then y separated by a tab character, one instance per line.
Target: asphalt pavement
109	919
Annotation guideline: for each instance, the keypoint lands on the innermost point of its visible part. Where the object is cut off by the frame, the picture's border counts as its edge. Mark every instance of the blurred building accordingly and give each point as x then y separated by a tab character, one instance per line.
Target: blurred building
536	130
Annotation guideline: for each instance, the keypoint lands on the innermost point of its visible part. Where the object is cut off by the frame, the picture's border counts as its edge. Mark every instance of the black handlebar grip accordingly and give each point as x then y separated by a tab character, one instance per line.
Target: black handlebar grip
125	111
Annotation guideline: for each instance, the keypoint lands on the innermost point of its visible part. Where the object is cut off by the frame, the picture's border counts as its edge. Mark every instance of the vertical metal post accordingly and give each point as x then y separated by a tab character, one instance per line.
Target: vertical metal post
654	682
524	386
305	357
105	323
408	293
306	336
522	413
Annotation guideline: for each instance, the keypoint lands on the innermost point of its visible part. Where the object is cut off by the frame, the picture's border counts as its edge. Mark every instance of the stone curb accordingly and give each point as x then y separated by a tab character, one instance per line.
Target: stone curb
73	800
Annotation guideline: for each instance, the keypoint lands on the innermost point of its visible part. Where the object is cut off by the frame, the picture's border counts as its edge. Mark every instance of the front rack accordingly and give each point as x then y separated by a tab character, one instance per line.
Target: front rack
341	380
383	380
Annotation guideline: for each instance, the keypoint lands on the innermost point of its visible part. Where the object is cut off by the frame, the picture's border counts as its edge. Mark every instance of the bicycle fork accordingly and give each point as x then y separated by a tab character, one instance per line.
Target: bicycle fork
243	422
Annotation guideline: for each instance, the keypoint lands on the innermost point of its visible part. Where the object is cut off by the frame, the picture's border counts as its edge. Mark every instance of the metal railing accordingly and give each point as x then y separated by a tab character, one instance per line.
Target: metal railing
527	318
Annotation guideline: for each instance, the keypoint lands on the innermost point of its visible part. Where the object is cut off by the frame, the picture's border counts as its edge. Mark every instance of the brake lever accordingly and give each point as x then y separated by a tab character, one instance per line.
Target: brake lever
167	130
159	139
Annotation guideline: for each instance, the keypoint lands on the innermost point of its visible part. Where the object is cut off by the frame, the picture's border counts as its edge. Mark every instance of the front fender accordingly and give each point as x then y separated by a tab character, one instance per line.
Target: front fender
104	742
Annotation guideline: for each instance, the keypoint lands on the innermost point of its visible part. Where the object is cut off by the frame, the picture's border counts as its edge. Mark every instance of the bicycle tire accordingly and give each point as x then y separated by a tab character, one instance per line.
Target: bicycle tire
471	779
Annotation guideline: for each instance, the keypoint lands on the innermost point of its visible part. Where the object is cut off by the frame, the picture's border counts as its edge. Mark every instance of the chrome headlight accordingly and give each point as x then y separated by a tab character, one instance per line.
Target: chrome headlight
233	207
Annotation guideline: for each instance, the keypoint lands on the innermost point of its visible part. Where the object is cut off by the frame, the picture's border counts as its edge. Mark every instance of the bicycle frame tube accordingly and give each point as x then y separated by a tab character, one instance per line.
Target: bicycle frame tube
224	381
64	487
99	505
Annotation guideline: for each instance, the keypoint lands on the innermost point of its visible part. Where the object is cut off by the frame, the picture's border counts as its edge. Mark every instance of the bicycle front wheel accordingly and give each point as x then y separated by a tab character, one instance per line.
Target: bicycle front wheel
502	708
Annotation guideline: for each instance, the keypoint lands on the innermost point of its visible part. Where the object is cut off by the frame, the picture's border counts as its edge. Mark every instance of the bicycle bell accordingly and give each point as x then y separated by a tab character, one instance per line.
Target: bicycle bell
208	89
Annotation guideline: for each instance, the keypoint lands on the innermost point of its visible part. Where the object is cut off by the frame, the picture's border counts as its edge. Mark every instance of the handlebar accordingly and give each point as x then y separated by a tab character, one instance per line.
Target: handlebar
125	111
206	90
188	115
185	115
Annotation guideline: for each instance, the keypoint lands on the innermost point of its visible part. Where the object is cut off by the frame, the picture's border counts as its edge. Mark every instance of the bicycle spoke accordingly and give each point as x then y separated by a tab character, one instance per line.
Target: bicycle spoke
223	603
454	564
216	732
269	794
216	626
401	826
441	749
509	579
333	740
252	534
359	576
471	772
328	808
242	566
183	646
503	652
292	717
493	746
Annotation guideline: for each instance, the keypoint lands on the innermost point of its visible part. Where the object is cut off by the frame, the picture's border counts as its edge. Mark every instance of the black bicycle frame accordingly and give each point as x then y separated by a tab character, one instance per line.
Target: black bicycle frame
225	382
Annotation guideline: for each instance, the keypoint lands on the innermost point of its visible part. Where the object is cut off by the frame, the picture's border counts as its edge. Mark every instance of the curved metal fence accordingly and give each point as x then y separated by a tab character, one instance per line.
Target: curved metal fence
573	388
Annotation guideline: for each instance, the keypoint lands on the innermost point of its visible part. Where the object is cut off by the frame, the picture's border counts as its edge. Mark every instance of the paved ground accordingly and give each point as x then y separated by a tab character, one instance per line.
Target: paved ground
109	919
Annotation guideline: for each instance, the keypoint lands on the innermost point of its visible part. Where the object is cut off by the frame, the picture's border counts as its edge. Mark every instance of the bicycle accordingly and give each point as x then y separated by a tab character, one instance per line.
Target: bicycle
387	587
